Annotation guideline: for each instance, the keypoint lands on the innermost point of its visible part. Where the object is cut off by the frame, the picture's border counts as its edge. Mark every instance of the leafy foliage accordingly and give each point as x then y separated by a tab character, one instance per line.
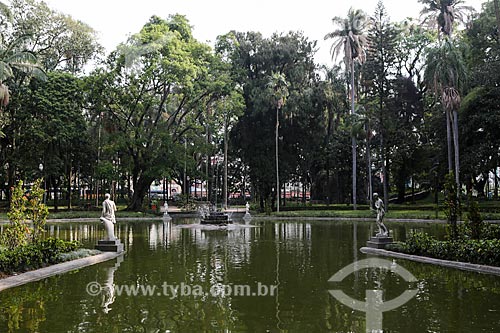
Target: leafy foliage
474	219
25	208
35	255
484	252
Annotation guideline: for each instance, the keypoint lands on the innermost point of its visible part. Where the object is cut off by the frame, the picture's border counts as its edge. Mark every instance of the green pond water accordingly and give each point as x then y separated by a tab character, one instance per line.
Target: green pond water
293	259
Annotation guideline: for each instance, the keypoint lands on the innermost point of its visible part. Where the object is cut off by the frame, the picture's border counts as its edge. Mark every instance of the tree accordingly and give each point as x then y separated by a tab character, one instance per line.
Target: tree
446	74
412	43
58	40
443	13
479	117
279	85
497	16
228	109
483	50
351	39
379	73
254	59
53	131
152	92
31	39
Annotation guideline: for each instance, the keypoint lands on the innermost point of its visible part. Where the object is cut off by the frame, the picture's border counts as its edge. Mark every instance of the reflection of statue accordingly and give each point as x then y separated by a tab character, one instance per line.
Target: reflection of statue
108	217
379	206
108	288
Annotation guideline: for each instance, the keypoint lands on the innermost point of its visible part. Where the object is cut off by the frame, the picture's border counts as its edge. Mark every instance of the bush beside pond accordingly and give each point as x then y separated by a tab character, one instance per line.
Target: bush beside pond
35	255
483	251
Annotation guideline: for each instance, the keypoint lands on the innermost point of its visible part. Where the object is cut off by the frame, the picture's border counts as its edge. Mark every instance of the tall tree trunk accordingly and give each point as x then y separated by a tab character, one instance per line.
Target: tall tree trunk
354	161
70	177
456	148
497	14
278	189
385	183
369	165
141	187
56	195
226	144
448	139
328	183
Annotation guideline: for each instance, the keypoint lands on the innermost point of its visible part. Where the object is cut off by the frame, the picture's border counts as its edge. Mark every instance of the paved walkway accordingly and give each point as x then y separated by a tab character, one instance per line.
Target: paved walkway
39	274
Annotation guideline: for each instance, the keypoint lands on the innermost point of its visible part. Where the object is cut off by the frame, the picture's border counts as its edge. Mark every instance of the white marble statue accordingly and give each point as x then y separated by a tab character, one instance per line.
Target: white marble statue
247	209
379	206
108	217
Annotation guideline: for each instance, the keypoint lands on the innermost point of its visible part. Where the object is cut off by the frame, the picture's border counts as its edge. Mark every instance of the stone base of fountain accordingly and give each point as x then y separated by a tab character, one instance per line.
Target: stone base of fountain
216	218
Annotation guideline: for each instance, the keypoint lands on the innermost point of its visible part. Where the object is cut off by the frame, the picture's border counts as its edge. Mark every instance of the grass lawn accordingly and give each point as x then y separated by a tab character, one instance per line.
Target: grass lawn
74	214
423	209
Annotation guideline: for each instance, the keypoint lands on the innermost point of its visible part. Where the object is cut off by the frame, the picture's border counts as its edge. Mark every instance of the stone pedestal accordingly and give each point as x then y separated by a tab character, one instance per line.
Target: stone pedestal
110	246
166	217
379	242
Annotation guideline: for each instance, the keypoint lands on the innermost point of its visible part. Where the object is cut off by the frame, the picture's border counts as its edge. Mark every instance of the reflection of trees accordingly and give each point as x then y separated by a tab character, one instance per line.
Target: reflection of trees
23	309
305	254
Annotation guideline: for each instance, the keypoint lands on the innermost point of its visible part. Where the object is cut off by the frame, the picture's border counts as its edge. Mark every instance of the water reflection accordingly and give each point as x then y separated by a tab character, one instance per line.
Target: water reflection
299	258
108	287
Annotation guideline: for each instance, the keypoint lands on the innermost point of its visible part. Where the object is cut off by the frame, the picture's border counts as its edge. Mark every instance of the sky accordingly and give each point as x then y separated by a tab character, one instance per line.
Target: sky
115	20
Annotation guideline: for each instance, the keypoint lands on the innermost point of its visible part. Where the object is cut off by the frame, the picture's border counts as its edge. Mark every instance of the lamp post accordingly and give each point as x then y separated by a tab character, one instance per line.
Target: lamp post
6	167
188	187
40	167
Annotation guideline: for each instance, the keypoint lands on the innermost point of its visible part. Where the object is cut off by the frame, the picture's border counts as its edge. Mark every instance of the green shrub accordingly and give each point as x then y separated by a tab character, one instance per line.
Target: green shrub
484	251
24	208
490	231
474	219
35	255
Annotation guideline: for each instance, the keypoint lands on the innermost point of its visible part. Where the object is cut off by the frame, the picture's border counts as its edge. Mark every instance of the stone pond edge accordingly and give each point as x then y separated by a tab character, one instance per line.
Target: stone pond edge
433	261
57	269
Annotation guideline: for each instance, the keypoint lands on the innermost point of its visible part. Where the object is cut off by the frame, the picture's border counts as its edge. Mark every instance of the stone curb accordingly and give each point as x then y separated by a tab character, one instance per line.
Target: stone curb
265	218
57	269
440	262
354	219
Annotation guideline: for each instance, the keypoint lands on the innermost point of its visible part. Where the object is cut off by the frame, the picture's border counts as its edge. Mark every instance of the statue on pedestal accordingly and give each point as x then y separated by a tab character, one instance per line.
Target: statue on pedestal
247	216
379	207
108	217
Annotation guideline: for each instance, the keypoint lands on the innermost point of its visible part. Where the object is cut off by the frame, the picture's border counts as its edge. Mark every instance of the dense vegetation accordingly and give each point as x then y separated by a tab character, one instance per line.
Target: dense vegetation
35	255
22	245
410	102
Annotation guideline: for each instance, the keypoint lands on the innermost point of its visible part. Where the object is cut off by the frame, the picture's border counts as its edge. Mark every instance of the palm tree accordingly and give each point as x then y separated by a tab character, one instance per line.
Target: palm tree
446	74
497	15
13	58
279	85
445	68
443	13
351	39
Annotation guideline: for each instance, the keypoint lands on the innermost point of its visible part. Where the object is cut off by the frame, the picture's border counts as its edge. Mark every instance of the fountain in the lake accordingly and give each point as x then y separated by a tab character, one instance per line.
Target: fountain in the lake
214	217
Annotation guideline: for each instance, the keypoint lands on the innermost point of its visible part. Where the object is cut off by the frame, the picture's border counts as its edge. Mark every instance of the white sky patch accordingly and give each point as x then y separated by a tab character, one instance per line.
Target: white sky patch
115	20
